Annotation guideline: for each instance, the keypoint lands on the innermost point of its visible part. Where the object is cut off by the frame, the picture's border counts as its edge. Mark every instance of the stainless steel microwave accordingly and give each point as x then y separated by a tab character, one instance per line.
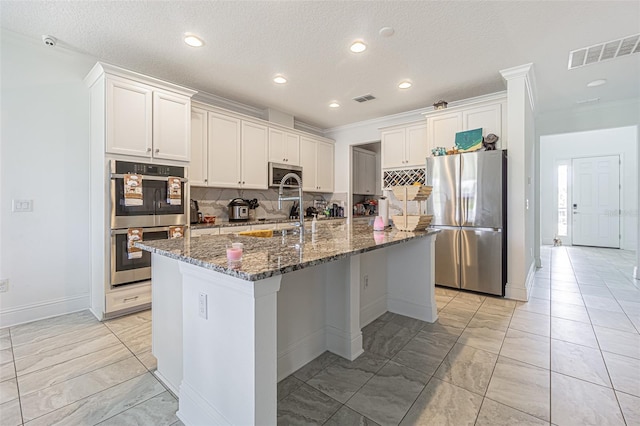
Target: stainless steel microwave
278	171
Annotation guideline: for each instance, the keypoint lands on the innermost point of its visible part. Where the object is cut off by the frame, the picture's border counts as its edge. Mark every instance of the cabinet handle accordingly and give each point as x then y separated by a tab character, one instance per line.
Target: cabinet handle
206	180
157	150
148	149
127	299
239	182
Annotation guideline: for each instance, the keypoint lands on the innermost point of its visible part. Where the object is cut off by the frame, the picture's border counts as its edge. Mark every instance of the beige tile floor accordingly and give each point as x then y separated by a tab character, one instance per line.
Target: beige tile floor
569	356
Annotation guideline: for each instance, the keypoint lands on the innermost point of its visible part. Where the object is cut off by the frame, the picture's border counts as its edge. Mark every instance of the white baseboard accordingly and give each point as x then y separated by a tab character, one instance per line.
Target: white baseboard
300	352
413	310
522	292
37	311
195	410
174	390
373	310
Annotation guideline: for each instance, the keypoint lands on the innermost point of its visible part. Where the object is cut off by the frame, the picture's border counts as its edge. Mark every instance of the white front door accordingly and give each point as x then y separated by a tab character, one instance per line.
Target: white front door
595	208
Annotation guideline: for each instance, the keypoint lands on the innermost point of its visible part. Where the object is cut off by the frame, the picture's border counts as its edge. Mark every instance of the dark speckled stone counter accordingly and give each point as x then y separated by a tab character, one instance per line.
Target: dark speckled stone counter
266	257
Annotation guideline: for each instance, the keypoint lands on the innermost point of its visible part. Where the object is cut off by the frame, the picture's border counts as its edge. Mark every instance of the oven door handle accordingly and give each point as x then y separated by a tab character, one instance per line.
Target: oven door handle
157	229
146	177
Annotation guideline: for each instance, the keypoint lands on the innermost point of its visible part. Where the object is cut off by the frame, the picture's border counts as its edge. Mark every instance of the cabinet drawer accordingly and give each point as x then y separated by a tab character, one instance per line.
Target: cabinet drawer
204	231
126	298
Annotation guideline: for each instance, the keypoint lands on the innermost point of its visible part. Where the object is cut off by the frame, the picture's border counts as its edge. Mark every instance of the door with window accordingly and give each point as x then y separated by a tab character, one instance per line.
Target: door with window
595	201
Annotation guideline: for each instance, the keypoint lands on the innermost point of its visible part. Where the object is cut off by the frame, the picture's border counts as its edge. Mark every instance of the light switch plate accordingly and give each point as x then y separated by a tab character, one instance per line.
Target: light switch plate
21	206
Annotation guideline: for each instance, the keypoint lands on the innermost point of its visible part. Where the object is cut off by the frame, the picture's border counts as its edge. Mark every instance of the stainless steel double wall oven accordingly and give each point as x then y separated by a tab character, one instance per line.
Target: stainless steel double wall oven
154	216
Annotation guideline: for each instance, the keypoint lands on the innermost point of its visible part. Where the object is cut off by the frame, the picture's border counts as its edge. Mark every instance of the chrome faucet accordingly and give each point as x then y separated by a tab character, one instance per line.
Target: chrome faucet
298	198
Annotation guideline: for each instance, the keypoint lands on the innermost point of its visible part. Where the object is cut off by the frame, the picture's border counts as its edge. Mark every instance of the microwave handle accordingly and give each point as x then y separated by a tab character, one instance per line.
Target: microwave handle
146	177
124	231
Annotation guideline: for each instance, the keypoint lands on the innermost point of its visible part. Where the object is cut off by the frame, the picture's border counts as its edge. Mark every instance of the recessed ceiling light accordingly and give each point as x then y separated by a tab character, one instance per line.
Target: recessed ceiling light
386	31
193	41
279	79
596	83
334	104
358	47
404	84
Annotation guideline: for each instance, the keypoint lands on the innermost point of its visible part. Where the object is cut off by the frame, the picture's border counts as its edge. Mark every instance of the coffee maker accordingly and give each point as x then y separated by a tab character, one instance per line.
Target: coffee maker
194	212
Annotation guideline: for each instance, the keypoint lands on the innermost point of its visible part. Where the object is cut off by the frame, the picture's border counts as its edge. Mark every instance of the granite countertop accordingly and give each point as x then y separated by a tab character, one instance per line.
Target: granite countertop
266	257
256	222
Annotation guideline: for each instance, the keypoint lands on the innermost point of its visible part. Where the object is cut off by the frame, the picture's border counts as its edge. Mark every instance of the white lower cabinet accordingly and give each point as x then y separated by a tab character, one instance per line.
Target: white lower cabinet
234	229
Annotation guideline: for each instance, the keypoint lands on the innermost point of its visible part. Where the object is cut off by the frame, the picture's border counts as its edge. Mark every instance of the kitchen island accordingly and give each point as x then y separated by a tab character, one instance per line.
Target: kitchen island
224	333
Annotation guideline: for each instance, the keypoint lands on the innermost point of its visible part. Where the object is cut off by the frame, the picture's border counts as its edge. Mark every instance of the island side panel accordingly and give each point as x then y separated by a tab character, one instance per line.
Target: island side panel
411	279
342	291
166	324
301	318
230	356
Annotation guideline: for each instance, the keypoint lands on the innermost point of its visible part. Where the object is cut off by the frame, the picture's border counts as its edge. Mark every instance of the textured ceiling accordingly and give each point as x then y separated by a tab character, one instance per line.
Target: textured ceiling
449	50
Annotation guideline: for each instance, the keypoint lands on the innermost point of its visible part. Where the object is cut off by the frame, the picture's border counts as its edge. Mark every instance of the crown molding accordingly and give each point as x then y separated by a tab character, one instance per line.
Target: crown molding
416	114
219	101
526	72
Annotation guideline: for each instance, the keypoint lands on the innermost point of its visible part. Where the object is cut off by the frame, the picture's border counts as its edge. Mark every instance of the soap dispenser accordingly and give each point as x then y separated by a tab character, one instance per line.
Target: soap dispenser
314	224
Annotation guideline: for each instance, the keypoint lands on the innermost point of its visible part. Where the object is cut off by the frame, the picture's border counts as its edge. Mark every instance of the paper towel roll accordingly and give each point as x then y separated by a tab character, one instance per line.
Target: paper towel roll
383	210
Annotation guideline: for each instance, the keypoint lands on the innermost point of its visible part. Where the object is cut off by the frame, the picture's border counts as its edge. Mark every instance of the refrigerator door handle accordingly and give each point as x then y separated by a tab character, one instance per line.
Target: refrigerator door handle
475	228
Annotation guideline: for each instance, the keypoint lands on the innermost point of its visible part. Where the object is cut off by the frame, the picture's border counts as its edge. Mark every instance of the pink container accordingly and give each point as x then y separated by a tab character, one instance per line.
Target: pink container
234	254
378	224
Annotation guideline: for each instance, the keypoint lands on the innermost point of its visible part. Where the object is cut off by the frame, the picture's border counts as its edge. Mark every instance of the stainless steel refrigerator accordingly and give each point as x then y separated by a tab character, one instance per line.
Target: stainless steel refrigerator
468	204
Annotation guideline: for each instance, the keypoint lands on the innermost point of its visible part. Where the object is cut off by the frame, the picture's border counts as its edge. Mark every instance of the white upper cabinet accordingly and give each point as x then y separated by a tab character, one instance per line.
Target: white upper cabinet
284	147
171	126
254	170
490	116
224	151
128	118
416	147
233	153
316	159
404	146
442	129
198	173
144	121
324	169
364	173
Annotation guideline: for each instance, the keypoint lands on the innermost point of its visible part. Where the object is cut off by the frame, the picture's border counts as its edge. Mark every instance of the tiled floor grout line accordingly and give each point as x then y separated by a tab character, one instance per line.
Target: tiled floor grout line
15	372
600	348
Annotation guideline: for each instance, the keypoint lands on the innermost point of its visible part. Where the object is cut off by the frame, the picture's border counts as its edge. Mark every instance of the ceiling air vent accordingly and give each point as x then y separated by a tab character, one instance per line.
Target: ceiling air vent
364	98
604	51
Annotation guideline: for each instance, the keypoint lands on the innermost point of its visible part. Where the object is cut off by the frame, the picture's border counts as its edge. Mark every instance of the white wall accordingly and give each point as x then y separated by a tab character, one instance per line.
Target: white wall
622	141
44	157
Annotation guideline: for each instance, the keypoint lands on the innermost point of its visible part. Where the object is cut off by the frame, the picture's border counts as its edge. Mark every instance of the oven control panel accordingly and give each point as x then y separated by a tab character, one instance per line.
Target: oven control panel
123	167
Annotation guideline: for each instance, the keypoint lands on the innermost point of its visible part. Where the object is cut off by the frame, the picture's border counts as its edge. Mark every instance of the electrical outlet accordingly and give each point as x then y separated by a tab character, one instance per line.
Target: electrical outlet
366	281
20	206
4	286
202	305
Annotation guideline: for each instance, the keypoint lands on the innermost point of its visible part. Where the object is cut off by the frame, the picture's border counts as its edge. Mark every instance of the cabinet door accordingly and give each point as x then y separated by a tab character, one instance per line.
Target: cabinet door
442	129
277	146
255	173
416	145
198	164
488	117
324	168
308	163
128	121
393	148
223	151
357	172
368	182
292	145
171	126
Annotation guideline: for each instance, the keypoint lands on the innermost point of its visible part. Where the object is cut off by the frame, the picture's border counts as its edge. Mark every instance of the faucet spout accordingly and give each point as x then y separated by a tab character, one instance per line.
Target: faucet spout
281	198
